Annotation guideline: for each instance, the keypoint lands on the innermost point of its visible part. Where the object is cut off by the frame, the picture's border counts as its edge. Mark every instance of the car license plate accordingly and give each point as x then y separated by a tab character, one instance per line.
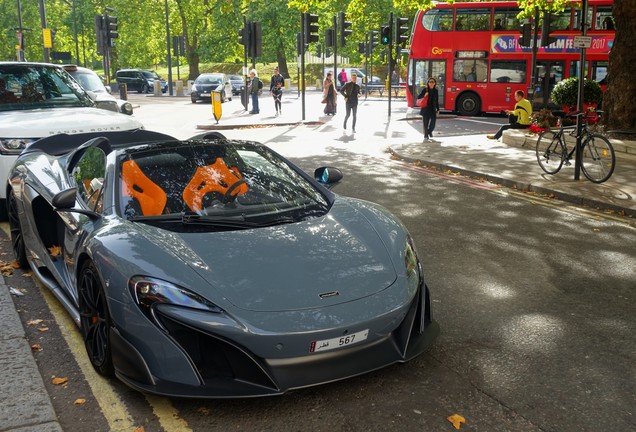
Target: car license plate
205	94
337	342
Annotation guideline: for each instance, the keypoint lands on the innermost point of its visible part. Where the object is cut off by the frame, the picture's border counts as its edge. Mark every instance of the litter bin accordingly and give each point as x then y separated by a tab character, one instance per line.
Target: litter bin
287	83
123	92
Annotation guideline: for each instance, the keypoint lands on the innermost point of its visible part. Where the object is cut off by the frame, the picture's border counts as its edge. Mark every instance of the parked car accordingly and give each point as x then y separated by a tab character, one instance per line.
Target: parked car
140	80
94	86
238	84
215	268
348	70
38	100
206	83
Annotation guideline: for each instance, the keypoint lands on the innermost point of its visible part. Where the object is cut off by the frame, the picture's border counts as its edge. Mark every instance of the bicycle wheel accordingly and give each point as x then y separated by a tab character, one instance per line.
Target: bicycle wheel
598	159
550	151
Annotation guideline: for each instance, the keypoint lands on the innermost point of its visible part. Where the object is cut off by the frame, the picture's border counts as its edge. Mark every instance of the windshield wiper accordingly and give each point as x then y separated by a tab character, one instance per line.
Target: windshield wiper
236	222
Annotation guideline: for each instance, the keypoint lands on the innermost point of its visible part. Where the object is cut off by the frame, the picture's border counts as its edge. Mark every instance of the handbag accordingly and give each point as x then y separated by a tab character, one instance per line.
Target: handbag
422	102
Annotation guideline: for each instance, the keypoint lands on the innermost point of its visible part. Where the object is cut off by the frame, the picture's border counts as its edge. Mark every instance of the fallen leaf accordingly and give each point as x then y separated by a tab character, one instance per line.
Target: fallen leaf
55	251
59	381
15	264
15	291
34	322
203	410
43	329
36	347
27	274
139	429
80	401
456	420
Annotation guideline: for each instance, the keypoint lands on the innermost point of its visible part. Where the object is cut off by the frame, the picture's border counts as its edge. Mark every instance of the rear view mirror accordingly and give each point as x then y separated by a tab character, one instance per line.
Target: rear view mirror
328	176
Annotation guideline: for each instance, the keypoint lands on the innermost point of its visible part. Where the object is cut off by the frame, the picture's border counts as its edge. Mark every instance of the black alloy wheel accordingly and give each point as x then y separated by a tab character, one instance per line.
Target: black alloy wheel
15	228
95	320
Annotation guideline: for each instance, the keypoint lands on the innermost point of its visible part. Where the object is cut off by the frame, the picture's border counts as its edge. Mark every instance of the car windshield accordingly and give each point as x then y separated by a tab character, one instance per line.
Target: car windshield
236	78
214	183
209	79
151	74
89	81
29	86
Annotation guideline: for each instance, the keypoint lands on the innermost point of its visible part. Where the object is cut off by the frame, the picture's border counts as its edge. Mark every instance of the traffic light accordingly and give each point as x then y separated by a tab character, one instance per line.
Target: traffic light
318	50
329	37
343	25
362	47
311	28
99	34
256	40
401	31
111	29
385	35
546	39
245	37
373	39
526	35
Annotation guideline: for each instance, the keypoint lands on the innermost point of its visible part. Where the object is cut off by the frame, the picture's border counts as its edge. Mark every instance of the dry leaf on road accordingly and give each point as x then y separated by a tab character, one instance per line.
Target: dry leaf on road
59	381
80	401
55	251
456	420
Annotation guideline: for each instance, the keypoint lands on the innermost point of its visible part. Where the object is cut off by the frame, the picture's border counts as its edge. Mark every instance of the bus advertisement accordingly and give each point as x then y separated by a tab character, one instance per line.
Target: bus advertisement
473	51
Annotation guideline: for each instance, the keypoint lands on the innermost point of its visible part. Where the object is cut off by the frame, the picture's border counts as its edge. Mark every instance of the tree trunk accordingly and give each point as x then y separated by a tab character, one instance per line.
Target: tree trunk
282	62
618	101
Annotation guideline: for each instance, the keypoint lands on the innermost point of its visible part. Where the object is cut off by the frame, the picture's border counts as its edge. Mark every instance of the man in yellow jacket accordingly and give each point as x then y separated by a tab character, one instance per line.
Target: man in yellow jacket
520	116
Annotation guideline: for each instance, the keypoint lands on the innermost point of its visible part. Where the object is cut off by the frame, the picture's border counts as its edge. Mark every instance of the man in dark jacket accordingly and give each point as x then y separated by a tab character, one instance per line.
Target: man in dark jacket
350	91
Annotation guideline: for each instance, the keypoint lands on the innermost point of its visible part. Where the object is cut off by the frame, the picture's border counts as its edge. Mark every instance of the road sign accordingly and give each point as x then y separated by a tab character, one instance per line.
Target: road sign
582	41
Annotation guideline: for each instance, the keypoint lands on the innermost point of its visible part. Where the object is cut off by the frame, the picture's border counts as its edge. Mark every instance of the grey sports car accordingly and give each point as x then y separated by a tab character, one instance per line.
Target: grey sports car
215	268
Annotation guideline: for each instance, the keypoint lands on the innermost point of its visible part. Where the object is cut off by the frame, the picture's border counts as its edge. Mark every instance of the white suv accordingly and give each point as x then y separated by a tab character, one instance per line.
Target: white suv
38	100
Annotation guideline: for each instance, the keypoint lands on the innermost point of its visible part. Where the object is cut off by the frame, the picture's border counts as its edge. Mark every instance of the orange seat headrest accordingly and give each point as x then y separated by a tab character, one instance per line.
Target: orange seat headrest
136	184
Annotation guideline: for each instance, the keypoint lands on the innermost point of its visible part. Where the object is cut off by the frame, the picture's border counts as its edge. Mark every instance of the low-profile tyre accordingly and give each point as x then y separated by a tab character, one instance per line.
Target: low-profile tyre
598	160
15	228
549	152
469	105
95	319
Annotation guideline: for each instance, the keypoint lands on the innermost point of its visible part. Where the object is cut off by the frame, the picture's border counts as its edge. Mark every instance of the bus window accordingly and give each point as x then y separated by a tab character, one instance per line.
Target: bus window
472	70
599	72
577	18
561	21
604	20
506	19
438	20
472	20
508	71
574	69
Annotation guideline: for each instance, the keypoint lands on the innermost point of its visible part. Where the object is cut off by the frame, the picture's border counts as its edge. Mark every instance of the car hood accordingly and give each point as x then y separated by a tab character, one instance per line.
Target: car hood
325	261
40	123
207	87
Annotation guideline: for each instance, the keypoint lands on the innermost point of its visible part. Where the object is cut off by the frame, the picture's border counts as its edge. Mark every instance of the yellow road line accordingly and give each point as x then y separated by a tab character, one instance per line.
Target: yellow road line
168	416
110	403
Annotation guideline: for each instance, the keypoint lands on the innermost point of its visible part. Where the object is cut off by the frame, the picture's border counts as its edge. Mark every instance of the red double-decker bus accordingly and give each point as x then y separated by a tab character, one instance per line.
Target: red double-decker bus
473	51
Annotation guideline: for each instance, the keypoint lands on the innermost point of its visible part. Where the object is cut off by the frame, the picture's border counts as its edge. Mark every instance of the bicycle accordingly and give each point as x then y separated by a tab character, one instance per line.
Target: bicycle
598	159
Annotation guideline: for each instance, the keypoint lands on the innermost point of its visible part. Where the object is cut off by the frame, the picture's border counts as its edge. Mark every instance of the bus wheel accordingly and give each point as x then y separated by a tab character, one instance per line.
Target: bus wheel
468	104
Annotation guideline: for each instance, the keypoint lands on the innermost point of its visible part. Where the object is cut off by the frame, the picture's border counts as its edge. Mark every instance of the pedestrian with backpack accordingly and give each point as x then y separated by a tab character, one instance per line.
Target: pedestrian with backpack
254	88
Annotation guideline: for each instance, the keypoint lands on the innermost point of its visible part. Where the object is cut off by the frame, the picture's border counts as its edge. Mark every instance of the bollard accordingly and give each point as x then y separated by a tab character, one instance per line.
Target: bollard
179	88
190	84
287	83
123	92
157	90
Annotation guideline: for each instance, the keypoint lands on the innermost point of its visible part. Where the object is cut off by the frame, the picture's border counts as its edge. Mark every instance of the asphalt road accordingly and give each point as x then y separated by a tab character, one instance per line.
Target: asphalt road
534	299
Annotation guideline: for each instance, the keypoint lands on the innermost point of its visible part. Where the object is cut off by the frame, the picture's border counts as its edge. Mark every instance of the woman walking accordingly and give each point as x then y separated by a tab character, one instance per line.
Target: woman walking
329	94
429	114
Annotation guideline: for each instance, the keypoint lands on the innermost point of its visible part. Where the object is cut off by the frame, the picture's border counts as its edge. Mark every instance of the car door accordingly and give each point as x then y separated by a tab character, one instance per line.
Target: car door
88	175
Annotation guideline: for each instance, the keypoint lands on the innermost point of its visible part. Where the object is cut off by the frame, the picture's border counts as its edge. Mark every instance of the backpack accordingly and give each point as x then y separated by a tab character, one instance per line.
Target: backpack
260	84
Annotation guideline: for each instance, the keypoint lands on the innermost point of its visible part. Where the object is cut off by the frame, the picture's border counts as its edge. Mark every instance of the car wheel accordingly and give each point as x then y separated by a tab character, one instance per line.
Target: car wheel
95	319
15	228
193	100
144	89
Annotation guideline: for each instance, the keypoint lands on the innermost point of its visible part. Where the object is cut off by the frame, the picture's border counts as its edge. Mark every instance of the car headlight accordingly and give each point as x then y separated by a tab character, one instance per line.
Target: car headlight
126	108
148	292
412	263
15	145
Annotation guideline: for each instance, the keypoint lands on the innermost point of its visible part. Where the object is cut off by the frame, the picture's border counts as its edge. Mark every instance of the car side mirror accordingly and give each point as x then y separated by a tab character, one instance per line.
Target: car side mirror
328	176
64	201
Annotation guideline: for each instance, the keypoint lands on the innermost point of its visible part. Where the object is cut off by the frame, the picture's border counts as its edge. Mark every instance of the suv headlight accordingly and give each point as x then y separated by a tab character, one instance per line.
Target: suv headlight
126	108
412	263
15	145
